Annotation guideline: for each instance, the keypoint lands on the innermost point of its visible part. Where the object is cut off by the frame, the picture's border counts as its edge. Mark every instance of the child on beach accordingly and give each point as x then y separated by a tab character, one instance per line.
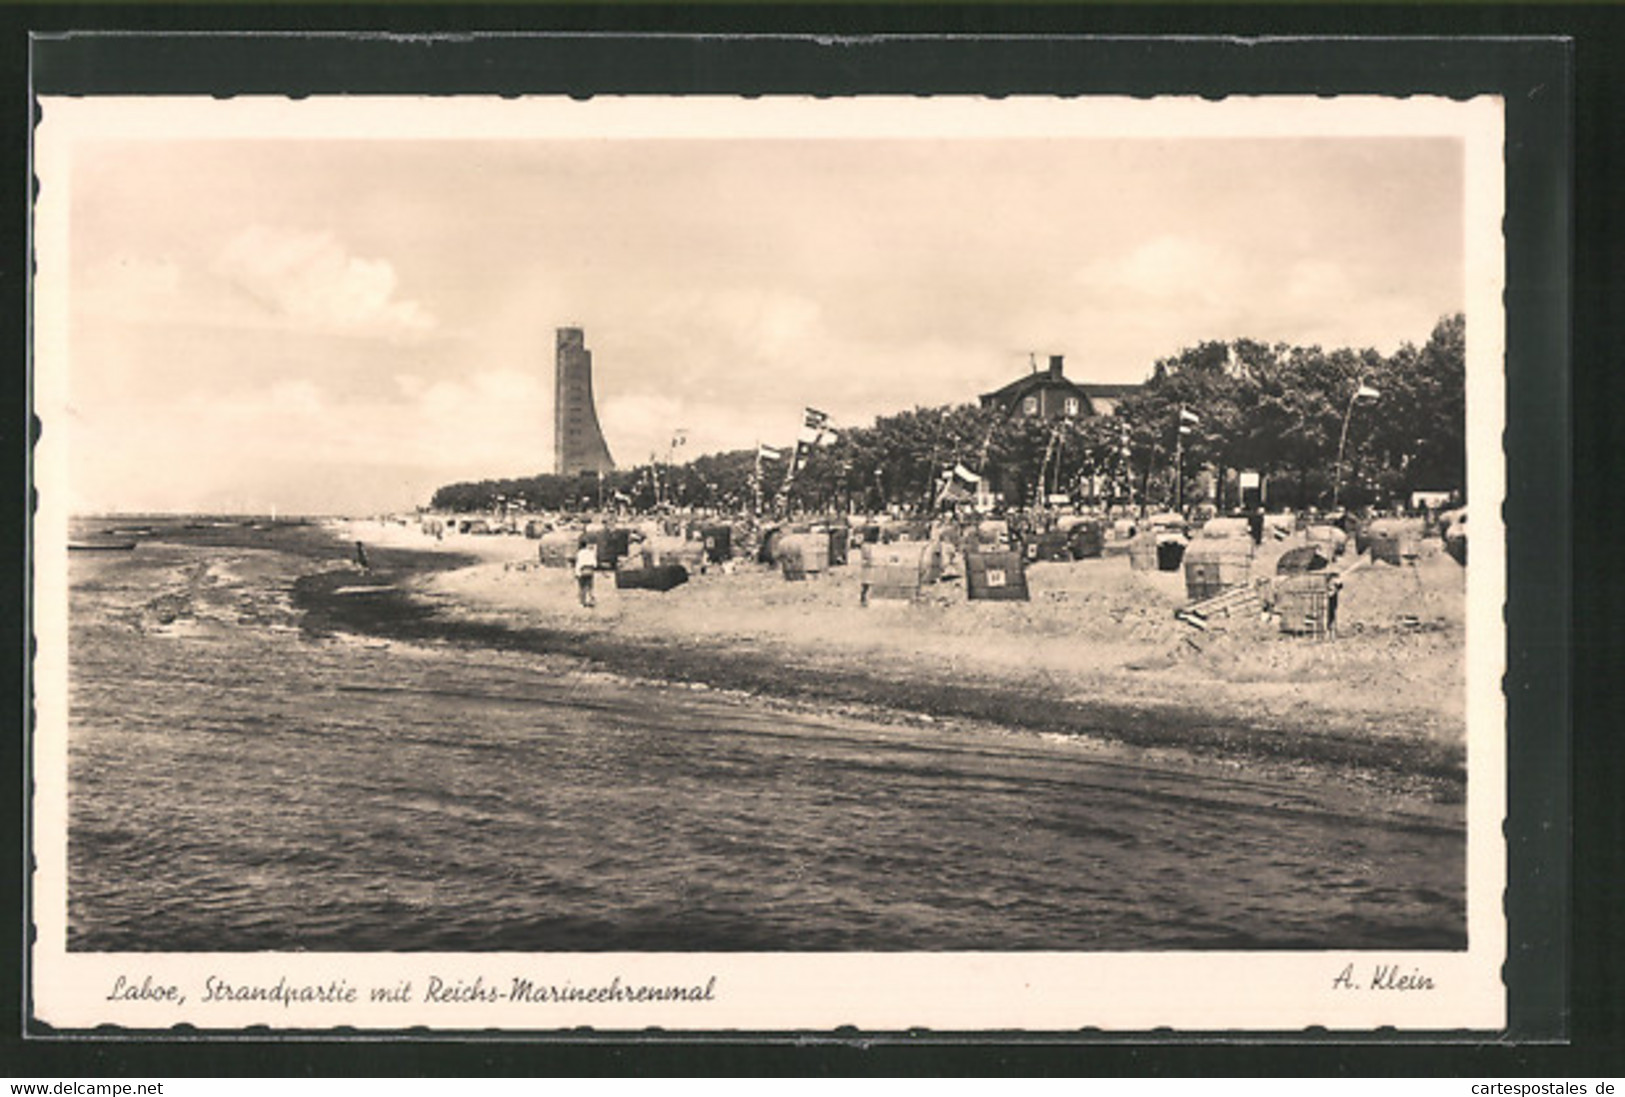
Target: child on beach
586	564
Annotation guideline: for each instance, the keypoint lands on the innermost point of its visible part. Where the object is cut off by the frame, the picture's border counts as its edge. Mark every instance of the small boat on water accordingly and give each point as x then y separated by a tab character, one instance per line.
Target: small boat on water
100	546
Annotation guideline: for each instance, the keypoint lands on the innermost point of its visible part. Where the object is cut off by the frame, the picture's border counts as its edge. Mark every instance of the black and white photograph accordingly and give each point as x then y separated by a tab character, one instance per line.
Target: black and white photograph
724	563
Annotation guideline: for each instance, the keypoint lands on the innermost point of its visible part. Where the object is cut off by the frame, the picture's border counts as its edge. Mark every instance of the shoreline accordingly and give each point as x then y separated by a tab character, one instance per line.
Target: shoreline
1097	654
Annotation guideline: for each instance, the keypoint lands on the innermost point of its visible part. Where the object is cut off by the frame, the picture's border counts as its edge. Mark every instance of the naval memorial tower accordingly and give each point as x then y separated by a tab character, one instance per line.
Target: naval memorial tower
578	443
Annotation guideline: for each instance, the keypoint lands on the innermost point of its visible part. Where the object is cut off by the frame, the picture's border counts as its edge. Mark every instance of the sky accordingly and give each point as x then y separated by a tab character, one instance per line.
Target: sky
341	325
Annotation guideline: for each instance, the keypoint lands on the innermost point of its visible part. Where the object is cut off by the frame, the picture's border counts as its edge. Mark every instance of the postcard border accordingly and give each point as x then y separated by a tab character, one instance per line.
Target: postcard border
1529	439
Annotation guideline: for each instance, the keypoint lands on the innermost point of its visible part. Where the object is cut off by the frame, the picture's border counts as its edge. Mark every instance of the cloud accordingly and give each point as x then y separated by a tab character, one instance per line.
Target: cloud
482	394
129	287
499	421
296	398
764	322
638	425
311	279
136	274
1316	283
1164	268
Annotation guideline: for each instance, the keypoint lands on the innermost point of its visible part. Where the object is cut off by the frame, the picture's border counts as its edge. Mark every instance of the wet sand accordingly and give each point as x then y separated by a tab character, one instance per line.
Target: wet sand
1096	653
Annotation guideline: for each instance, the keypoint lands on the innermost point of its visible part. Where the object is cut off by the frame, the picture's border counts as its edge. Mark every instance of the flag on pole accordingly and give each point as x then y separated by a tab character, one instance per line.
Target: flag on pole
1366	392
679	437
768	453
966	474
1186	415
813	423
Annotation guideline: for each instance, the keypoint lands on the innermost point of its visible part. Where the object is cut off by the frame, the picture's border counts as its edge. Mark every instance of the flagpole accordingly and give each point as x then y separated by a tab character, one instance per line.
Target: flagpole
1343	437
1150	467
1179	463
813	427
782	504
1043	469
756	483
1060	452
1125	465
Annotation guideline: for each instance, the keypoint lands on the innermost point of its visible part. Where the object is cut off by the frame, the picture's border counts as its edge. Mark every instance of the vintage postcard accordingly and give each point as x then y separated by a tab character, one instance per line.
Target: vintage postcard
769	564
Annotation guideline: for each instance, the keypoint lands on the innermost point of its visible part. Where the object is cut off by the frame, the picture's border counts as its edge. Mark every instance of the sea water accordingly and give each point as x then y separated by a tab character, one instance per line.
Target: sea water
240	782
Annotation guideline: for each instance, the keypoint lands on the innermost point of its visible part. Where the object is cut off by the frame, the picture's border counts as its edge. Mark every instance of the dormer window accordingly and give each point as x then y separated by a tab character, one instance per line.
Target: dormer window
1029	405
1071	406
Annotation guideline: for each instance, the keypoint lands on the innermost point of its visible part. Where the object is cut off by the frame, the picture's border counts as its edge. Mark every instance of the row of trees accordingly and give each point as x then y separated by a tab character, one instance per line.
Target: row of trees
1281	410
1276	409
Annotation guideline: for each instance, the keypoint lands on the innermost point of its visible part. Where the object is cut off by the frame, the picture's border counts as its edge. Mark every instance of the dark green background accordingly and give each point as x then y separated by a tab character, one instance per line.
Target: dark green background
1563	101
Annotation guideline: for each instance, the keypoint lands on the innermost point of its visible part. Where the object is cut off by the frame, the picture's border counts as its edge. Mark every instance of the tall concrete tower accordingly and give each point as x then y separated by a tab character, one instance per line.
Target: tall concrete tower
578	443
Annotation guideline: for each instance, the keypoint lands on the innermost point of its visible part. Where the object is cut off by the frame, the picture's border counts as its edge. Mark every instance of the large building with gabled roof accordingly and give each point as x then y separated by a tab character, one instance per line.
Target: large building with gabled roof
1050	394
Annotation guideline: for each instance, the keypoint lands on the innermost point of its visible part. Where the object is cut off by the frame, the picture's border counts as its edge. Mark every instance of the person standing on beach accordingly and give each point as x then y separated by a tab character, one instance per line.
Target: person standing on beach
586	565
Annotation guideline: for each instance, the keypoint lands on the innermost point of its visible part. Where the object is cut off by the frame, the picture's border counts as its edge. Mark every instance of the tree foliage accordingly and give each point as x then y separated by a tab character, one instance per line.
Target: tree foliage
1281	409
1276	409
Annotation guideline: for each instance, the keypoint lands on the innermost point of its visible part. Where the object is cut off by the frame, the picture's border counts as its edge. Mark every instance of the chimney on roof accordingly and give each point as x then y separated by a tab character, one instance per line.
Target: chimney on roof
1055	365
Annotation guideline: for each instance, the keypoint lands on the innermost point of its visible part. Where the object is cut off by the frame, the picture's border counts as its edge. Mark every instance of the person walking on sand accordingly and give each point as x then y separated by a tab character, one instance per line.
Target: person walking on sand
586	565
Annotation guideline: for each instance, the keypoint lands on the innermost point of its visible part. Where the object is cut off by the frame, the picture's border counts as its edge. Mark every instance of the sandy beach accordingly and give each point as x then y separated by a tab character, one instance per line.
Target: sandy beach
1097	651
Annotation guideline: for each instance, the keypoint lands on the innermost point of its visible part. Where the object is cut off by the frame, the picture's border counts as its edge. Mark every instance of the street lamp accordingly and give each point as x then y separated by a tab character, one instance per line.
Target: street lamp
1362	391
